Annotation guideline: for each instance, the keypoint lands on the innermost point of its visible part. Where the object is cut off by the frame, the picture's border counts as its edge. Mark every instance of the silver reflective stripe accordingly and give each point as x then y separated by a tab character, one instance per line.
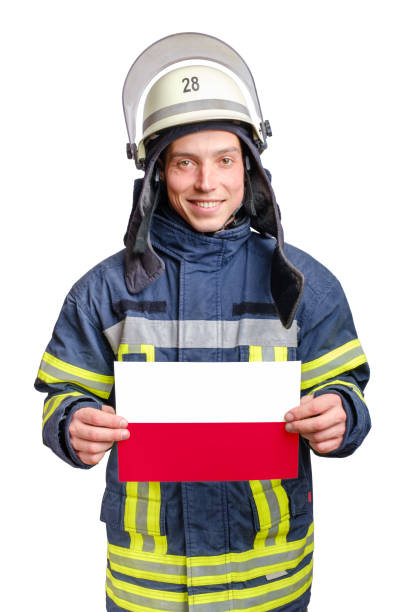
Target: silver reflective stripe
190	107
268	353
343	360
201	334
274	510
148	543
276	575
148	566
273	593
69	377
240	567
149	603
141	506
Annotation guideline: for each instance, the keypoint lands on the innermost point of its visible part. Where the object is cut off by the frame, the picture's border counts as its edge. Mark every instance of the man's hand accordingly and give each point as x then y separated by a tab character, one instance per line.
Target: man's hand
321	420
92	432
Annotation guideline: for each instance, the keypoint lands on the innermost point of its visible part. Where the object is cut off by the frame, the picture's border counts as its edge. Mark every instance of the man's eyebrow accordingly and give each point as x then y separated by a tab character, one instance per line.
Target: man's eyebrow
191	154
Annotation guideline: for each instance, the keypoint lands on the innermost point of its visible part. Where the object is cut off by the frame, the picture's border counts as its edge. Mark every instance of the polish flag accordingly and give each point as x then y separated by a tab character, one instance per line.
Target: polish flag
205	421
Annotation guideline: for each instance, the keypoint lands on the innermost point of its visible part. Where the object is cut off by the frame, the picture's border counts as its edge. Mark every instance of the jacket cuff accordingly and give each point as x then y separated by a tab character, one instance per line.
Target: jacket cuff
358	422
65	423
56	429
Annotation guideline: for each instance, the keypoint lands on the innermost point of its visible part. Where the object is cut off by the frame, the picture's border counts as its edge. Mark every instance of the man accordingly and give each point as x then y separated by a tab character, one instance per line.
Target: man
191	272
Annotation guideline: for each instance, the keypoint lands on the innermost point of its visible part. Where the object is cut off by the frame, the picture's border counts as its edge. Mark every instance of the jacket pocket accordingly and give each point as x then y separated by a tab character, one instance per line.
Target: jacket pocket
144	508
140	513
113	504
271	503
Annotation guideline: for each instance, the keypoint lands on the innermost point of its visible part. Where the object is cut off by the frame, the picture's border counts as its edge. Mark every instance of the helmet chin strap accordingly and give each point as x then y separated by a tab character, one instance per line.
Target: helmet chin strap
230	219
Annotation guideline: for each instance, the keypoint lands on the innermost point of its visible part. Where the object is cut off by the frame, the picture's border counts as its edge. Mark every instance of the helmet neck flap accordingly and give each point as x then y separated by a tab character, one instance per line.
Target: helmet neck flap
143	264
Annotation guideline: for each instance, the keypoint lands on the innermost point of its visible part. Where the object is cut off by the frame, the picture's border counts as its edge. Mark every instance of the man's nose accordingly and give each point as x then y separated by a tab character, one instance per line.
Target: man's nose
205	178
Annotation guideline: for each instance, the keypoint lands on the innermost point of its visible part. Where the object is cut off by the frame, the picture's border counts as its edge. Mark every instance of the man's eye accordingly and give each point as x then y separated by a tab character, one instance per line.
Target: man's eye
226	161
184	163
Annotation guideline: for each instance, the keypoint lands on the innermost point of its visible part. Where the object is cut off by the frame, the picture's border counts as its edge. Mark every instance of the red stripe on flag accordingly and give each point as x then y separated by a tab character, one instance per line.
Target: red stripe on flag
207	451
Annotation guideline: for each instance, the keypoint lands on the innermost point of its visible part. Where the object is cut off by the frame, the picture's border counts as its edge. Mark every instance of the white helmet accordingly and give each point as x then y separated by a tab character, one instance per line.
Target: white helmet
189	94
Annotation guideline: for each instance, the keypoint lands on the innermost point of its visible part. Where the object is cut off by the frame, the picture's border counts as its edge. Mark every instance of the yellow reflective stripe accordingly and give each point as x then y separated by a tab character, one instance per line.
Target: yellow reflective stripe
283	502
52	379
350	365
129	516
205	571
345	357
251	554
153	558
304	577
340	382
327	357
274	559
71	369
52	404
281	353
268	353
133	597
255	353
123	350
153	508
142	517
148	350
160	544
157	566
264	514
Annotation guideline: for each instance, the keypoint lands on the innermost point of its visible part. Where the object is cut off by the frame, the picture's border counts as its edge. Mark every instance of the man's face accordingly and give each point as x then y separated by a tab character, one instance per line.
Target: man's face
204	175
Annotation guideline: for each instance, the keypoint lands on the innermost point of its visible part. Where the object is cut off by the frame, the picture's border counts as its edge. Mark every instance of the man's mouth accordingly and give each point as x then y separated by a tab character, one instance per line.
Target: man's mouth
206	203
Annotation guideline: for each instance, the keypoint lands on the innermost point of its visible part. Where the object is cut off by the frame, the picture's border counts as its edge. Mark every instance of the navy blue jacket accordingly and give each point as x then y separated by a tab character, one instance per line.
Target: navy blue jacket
224	545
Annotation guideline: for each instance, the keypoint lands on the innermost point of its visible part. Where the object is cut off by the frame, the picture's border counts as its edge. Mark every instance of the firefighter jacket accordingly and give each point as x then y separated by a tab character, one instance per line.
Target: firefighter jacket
204	546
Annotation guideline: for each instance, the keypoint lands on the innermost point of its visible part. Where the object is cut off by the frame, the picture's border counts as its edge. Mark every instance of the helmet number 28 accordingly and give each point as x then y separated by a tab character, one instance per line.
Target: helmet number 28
190	84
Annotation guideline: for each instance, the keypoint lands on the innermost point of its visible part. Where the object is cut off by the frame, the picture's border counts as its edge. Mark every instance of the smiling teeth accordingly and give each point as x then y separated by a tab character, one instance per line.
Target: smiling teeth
206	204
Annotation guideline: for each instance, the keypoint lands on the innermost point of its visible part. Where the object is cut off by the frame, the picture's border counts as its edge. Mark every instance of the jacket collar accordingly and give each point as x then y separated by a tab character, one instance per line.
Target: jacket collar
171	234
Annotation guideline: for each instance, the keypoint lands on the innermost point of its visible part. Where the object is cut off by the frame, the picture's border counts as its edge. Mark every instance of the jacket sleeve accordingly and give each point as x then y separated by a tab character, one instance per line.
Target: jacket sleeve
76	371
333	361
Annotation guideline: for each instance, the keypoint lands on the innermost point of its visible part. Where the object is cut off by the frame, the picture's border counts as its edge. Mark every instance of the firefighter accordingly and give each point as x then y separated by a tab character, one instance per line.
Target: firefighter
196	283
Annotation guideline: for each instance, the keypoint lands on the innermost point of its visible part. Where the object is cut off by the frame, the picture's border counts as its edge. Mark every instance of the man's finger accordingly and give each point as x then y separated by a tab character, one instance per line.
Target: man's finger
312	406
90	459
327	434
81	445
327	446
335	415
98	434
101	418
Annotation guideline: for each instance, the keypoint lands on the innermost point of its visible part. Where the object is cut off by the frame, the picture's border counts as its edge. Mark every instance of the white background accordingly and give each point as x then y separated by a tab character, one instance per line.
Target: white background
331	77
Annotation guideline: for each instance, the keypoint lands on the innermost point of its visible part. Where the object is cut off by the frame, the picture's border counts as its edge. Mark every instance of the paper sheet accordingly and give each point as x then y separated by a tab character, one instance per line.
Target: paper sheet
204	392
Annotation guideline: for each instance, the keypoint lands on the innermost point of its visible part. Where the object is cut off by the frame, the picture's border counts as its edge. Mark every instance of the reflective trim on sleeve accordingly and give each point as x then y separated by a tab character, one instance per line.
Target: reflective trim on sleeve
54	370
52	404
342	359
340	382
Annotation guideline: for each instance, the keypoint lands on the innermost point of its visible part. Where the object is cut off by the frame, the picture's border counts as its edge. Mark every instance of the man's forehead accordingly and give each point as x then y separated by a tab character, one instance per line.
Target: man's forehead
215	141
